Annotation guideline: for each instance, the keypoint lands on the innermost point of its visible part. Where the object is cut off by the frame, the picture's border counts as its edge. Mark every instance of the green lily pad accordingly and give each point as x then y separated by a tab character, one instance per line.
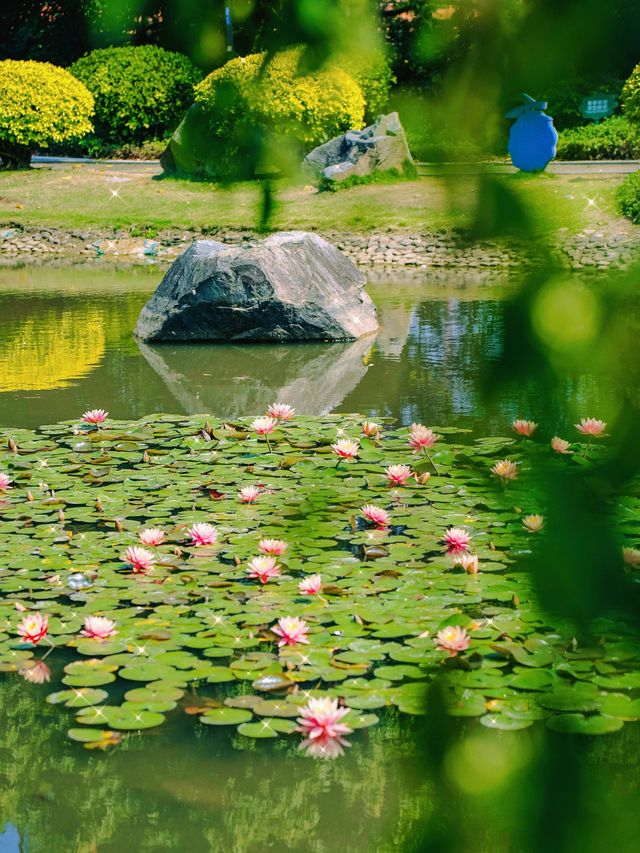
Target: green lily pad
581	725
225	716
80	698
121	718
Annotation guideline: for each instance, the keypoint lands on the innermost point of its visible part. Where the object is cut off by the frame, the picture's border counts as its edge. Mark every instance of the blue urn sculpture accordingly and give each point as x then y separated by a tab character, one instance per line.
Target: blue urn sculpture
533	138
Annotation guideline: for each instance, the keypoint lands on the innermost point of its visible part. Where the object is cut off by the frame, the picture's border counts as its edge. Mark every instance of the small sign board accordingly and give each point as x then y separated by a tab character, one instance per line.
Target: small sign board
598	106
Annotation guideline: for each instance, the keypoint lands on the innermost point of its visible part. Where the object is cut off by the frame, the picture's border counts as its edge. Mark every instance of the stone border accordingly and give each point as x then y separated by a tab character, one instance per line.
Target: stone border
590	249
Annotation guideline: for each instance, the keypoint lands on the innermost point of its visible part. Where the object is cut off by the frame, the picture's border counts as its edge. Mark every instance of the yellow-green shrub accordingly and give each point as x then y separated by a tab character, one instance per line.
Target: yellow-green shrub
372	72
253	98
39	104
631	96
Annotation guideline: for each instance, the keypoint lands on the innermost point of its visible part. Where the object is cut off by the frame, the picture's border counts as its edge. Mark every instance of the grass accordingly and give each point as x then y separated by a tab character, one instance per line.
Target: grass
88	197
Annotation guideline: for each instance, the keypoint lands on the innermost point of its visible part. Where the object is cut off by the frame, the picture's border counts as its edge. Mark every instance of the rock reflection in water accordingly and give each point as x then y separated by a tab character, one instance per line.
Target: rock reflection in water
239	380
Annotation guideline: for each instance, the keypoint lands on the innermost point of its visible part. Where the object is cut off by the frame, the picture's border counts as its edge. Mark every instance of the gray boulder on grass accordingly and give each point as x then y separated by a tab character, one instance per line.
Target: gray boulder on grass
290	287
359	153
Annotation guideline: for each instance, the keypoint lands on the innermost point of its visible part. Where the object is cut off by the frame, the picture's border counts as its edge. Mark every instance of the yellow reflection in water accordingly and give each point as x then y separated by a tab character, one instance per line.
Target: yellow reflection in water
52	349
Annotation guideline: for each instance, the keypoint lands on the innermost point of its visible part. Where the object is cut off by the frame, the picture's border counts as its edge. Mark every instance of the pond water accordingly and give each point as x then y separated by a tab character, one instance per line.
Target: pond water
66	346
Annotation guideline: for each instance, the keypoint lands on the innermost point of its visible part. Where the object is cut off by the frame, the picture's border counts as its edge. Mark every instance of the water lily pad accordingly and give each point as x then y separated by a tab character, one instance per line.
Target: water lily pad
504	722
225	716
95	737
581	725
125	719
275	708
267	728
80	698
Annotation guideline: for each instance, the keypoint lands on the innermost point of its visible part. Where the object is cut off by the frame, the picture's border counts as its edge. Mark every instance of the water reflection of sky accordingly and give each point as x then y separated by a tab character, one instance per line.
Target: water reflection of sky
66	346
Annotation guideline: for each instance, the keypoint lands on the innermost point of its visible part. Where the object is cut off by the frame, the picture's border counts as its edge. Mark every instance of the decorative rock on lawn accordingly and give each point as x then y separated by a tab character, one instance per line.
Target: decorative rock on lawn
290	287
358	153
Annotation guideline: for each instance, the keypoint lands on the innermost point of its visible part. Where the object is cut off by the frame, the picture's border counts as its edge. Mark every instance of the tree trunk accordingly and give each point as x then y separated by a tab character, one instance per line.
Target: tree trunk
14	156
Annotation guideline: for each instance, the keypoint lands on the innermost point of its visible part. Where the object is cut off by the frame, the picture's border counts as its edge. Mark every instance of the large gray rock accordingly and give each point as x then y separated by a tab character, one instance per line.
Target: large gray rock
290	287
378	148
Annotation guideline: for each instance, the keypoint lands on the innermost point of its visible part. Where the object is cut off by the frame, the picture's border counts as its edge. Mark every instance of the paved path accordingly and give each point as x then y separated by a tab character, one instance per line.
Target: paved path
138	167
559	167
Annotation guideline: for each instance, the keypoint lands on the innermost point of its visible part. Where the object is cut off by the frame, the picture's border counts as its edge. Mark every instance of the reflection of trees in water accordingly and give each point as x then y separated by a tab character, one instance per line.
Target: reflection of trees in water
62	353
439	372
50	348
191	791
435	376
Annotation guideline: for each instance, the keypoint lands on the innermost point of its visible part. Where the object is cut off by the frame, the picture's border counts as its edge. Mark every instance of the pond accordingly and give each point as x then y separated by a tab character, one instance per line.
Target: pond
65	347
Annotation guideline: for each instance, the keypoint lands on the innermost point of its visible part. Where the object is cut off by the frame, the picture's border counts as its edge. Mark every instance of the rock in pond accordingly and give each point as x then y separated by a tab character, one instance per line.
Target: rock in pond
292	286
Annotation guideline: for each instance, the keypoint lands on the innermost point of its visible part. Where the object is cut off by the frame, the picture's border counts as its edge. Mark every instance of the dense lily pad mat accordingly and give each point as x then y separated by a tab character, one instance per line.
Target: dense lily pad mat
194	632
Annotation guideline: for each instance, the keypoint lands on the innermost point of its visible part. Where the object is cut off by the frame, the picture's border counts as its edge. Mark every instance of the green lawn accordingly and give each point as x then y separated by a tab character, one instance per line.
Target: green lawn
88	197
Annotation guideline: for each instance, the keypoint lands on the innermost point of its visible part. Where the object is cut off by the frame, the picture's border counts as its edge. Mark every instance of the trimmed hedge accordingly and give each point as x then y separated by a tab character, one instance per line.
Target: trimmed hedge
628	197
258	107
615	138
40	104
311	108
141	93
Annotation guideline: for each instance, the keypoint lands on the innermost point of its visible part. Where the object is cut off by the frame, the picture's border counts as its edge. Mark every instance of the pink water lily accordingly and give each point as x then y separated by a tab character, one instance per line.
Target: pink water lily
397	475
35	671
202	533
320	722
263	568
98	627
264	426
139	559
560	445
346	448
95	416
469	563
591	427
452	639
5	482
456	540
375	514
33	628
421	437
371	429
631	556
505	469
281	412
533	523
249	494
324	747
311	585
291	631
523	427
275	547
151	537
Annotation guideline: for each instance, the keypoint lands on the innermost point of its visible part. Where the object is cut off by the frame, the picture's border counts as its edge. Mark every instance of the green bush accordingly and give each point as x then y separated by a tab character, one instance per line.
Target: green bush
39	104
614	138
631	96
141	93
566	96
628	197
372	72
252	101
